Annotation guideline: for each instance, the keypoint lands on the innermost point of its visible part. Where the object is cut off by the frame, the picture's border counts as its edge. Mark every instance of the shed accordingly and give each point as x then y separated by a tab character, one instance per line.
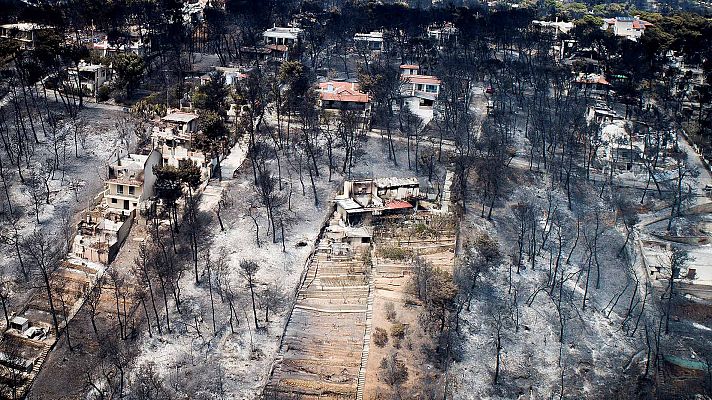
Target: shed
19	323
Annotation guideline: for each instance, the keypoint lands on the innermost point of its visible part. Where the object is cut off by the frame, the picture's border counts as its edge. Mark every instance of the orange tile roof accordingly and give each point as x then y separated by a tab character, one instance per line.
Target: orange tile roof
342	91
410	66
641	24
277	47
592	79
397	204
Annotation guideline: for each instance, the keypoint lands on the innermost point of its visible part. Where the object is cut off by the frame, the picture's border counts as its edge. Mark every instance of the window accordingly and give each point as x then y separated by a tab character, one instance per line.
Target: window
132	190
120	189
113	200
431	89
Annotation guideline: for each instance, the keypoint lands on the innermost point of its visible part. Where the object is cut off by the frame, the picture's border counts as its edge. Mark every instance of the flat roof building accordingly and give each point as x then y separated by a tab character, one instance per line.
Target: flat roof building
287	36
372	41
130	181
25	34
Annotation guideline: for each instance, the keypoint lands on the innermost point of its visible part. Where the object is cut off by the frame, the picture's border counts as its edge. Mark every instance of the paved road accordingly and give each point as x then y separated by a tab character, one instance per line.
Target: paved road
694	160
213	192
53	95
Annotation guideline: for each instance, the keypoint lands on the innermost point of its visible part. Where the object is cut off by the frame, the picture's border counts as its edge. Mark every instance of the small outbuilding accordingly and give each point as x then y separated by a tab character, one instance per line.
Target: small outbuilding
19	323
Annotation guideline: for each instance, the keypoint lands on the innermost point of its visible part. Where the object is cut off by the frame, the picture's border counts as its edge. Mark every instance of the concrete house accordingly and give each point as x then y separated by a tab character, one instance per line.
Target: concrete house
106	49
174	138
561	46
397	188
280	40
442	34
184	123
88	77
363	198
372	41
137	42
629	27
19	323
287	36
130	182
554	27
100	234
622	149
409	69
423	87
233	74
24	34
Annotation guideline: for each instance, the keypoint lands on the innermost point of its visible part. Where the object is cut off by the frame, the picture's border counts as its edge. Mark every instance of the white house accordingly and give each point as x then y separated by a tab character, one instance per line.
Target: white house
442	33
363	198
621	148
25	34
280	40
595	82
106	49
176	148
288	36
100	234
555	27
372	41
426	88
409	69
185	123
233	74
628	27
89	77
137	42
130	181
174	139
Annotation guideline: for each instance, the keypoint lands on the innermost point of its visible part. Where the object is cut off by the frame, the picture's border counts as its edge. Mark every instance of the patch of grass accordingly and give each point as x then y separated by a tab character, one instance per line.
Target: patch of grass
395	253
422	230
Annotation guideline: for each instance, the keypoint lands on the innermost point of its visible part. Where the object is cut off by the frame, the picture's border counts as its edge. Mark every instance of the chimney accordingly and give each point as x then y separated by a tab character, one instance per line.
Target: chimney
329	87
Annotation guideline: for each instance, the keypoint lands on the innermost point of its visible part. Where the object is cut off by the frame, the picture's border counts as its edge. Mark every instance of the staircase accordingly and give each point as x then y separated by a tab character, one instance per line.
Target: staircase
361	383
40	360
22	391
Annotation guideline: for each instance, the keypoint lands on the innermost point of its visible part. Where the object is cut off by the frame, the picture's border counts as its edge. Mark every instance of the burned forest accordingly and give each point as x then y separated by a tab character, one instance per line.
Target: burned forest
355	199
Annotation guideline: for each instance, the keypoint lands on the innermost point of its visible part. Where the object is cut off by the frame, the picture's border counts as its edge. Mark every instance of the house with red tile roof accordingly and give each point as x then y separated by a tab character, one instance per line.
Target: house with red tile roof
409	69
335	95
424	87
592	81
